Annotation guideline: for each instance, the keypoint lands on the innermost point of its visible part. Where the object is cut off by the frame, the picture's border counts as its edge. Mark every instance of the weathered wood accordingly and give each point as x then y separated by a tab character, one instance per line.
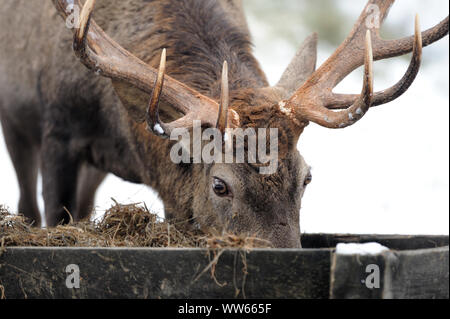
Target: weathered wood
348	276
412	274
165	273
397	242
418	274
31	272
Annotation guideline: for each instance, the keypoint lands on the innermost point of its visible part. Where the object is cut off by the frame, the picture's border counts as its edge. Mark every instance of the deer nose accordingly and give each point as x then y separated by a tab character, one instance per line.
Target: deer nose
285	235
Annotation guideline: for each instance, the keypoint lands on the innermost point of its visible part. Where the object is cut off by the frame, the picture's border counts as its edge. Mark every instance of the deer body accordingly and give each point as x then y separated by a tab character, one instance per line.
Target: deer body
53	96
76	125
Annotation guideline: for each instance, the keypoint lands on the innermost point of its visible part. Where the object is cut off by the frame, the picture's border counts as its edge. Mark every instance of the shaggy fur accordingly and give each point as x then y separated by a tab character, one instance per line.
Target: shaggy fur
61	118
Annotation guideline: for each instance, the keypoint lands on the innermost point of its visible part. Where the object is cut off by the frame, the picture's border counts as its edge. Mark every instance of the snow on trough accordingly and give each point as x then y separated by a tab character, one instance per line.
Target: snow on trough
360	249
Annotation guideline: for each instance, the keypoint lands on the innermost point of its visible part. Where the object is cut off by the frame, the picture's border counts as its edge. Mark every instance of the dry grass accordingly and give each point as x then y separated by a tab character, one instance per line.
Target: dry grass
121	226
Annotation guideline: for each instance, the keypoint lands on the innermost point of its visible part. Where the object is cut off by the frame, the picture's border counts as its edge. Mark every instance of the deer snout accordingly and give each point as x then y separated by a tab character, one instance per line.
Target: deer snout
285	235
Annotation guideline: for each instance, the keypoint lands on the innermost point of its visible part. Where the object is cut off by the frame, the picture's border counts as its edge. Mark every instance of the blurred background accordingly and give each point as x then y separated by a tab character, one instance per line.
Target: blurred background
387	173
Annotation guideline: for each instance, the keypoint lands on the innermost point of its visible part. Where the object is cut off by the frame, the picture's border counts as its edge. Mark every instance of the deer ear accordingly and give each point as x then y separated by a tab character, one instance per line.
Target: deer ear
301	66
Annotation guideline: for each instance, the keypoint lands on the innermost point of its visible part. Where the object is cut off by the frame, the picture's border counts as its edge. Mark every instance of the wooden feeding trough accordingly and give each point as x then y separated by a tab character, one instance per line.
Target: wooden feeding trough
412	267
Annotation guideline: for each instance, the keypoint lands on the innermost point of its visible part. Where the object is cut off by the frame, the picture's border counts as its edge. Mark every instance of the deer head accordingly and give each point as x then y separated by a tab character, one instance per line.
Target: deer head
236	196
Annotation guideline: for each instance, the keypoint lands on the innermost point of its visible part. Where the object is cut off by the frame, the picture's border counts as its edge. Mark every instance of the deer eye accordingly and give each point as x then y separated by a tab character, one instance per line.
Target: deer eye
308	179
220	187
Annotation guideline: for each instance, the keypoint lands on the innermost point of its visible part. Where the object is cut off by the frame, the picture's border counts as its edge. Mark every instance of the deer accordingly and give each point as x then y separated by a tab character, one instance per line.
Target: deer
106	95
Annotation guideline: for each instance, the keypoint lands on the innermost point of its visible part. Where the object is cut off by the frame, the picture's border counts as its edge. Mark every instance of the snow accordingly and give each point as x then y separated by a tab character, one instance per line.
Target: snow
158	129
360	249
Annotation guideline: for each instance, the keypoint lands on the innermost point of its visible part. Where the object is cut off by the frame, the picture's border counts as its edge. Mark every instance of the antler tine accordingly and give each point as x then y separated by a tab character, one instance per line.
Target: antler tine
222	118
341	119
341	101
153	122
79	43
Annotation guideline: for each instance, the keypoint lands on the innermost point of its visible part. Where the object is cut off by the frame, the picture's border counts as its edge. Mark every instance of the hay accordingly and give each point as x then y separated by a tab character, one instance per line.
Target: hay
121	226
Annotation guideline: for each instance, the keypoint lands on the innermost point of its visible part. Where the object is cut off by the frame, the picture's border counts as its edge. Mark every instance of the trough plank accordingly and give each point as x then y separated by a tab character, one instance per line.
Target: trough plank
27	272
418	274
397	242
411	274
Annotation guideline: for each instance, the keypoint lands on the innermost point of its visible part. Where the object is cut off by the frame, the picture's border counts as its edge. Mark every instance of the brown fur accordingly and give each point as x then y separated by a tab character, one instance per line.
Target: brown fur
60	117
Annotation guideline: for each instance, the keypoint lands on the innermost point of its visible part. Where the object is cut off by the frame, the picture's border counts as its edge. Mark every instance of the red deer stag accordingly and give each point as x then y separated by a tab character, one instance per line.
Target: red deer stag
77	124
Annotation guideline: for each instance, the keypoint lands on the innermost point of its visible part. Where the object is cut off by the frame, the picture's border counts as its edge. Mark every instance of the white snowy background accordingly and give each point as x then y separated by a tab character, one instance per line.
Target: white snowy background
386	174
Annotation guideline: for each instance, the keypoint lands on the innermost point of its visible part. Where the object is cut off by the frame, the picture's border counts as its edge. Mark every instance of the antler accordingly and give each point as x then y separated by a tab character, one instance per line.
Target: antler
222	121
165	129
99	52
315	100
